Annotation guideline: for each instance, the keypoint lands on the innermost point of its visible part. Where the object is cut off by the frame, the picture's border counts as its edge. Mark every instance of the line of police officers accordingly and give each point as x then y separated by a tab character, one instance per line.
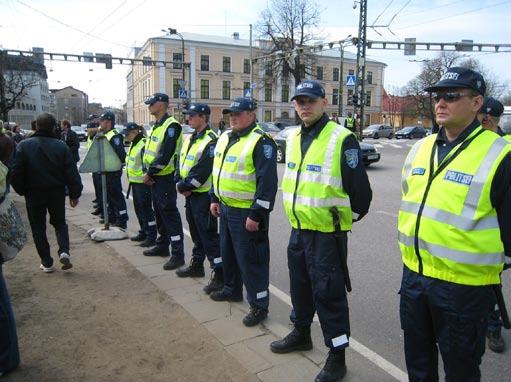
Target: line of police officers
452	230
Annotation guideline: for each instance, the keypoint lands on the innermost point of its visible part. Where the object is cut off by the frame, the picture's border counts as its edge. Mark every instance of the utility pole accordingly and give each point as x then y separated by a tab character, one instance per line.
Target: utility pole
251	65
361	68
2	87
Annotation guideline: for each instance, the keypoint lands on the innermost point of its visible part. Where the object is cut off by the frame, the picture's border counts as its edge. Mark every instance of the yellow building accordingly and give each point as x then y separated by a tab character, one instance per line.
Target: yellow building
219	71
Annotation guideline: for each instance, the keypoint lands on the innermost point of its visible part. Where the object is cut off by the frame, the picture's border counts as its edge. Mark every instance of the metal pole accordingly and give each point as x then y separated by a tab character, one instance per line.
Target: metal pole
339	113
361	57
183	54
251	70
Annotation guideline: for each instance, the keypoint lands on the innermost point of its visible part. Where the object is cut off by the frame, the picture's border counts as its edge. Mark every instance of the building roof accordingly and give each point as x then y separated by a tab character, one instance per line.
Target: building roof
68	87
24	64
211	39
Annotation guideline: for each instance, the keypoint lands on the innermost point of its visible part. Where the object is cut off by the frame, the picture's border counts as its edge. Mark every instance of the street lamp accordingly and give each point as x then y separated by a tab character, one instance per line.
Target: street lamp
172	31
342	44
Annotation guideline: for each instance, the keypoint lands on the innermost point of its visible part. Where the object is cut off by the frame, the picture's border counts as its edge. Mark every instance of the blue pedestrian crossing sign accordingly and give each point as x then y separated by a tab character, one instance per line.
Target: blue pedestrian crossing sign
351	80
248	93
183	94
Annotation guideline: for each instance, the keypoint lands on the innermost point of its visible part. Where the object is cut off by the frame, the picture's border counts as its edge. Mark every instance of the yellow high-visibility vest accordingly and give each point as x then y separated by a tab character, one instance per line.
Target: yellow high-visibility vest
134	167
153	145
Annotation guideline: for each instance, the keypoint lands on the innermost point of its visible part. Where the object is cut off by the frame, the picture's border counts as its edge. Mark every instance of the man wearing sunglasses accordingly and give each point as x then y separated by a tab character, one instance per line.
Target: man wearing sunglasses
454	229
325	189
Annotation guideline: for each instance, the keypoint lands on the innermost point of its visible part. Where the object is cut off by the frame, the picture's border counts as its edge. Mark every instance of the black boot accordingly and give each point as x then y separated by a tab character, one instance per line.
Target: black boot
220	295
195	269
157	251
495	341
255	316
173	263
96	212
147	243
334	369
216	283
140	237
298	339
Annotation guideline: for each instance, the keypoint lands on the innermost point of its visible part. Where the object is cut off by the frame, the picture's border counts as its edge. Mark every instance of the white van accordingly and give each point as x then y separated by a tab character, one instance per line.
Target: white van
505	120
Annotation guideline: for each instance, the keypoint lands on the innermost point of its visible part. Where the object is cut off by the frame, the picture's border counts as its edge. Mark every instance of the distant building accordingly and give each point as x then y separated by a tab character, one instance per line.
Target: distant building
26	71
71	104
220	69
400	111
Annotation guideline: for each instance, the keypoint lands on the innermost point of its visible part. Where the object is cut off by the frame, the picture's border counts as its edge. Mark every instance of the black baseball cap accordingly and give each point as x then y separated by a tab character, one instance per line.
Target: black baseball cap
92	117
108	115
309	88
241	104
197	108
492	107
131	126
157	97
463	78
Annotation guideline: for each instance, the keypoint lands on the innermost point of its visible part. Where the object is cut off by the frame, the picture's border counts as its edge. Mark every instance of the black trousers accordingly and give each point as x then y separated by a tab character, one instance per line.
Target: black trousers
38	204
9	353
144	209
317	284
203	229
438	315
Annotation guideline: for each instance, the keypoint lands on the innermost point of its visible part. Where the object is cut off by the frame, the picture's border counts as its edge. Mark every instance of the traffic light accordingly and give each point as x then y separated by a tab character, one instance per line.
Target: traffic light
354	99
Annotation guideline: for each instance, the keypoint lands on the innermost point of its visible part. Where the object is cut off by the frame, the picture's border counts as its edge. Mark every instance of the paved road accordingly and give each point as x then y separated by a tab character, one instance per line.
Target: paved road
375	265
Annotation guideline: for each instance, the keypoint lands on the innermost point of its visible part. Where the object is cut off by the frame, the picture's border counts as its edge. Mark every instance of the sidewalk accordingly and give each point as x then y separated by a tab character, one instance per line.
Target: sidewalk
118	316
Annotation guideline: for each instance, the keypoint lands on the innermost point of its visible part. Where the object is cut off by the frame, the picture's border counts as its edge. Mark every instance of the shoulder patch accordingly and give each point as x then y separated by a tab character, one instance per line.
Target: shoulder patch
171	132
116	140
352	157
211	151
268	151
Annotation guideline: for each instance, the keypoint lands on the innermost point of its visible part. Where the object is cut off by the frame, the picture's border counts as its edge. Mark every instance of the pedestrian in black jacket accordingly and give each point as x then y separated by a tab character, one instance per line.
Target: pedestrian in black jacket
43	168
71	139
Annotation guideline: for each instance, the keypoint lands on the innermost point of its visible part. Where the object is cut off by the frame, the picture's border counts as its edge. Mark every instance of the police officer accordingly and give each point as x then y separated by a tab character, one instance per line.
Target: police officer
325	188
350	123
454	229
489	116
141	192
244	186
160	158
117	211
194	182
92	129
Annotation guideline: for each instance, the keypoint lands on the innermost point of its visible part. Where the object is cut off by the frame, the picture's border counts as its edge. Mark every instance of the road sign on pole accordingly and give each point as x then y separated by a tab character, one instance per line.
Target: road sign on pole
248	93
351	80
183	94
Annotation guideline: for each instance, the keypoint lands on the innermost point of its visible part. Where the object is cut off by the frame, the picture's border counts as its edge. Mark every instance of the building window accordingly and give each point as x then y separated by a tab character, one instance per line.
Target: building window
204	63
268	69
246	86
246	66
319	72
351	72
267	116
285	93
267	93
368	99
175	88
285	72
204	89
226	89
350	97
335	74
226	64
177	60
335	96
369	77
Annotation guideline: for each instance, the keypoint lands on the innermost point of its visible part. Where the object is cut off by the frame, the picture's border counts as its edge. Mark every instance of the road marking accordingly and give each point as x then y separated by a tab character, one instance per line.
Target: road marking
378	145
387	213
393	145
363	350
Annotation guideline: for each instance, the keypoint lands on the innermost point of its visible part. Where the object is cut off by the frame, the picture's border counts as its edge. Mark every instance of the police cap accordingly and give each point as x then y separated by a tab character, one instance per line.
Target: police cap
457	77
157	97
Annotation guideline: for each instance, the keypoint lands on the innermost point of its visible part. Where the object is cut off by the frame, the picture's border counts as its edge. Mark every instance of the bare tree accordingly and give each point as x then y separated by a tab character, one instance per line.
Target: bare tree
286	26
18	75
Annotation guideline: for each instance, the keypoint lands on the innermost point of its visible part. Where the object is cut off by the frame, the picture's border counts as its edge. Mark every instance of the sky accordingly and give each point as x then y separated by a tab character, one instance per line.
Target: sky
115	26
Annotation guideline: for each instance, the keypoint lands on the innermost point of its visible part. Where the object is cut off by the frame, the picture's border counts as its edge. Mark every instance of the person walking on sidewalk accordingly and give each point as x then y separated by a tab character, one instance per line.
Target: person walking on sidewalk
325	189
244	188
141	192
43	168
193	178
71	139
159	160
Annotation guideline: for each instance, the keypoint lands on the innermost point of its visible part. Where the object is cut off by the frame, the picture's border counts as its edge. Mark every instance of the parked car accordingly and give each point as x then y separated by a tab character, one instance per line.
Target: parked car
369	153
505	120
280	141
411	132
377	131
269	128
80	132
282	124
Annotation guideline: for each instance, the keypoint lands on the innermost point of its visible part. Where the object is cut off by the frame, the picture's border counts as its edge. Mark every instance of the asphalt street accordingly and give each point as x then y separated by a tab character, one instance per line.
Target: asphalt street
374	262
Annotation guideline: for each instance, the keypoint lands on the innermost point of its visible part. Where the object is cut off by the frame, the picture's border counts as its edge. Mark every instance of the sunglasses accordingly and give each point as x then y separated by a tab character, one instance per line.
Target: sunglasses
449	97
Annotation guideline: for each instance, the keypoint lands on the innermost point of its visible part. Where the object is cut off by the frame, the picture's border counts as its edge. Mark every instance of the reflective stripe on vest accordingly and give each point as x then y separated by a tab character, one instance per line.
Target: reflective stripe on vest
313	184
234	177
153	146
507	137
134	168
189	156
458	237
